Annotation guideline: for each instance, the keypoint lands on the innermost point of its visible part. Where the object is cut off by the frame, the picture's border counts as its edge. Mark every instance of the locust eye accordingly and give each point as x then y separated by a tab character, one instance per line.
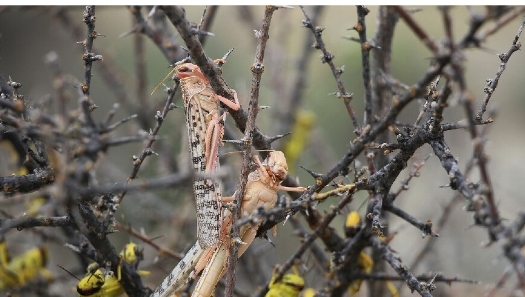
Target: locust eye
184	69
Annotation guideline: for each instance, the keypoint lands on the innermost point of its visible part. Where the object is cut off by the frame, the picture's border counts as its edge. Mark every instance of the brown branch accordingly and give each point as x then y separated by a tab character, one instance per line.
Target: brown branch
253	107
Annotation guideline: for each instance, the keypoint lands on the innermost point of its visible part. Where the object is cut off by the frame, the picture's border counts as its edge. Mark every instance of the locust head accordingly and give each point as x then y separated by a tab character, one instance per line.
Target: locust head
91	283
189	69
277	165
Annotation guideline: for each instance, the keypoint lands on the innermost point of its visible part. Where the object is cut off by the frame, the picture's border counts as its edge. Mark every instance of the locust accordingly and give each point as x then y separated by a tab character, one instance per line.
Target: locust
96	283
205	132
290	285
24	267
205	125
99	283
261	191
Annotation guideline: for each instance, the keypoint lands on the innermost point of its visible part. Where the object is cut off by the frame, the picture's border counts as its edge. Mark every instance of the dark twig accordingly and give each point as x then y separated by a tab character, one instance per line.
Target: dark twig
462	124
22	223
171	51
298	87
360	27
328	57
207	20
401	269
426	227
457	180
499	24
438	107
366	46
89	57
479	153
107	69
27	183
147	151
476	21
492	84
423	277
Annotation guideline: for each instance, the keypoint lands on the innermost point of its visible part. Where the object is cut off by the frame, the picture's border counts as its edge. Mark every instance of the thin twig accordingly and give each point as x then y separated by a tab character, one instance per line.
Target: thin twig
420	33
492	84
328	57
257	71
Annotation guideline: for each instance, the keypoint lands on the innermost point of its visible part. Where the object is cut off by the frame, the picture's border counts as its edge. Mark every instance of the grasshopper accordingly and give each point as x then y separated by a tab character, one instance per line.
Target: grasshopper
290	285
205	132
24	267
98	283
261	191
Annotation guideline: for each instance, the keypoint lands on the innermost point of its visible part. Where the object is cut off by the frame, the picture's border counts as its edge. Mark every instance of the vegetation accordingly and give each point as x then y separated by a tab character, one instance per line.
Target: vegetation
393	125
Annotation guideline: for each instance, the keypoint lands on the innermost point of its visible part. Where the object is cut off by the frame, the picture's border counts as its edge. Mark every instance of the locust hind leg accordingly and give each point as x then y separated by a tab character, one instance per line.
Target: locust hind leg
247	238
181	272
212	273
217	264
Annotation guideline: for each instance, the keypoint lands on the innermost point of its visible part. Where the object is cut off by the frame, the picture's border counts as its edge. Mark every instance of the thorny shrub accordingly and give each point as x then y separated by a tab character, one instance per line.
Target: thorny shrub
70	175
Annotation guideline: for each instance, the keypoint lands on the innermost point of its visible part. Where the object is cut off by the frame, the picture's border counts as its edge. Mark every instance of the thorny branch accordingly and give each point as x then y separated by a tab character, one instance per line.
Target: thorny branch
327	57
60	156
492	83
253	106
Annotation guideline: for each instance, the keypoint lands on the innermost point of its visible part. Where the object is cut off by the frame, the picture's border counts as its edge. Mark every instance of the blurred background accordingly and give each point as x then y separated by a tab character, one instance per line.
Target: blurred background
30	34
